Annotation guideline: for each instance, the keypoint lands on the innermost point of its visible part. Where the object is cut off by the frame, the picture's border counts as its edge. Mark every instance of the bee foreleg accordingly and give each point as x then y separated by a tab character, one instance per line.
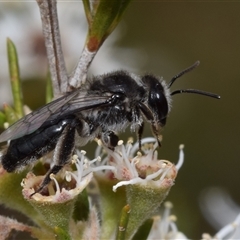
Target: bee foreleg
149	116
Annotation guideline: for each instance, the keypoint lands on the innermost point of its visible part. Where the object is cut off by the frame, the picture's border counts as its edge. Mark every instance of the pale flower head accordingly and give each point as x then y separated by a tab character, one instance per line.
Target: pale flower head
78	181
144	168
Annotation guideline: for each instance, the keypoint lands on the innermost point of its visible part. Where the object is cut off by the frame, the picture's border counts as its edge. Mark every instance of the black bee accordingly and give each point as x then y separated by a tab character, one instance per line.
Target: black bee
104	106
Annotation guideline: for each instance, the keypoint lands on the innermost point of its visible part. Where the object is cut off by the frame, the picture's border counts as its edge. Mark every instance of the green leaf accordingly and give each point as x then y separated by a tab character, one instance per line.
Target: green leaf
105	17
87	9
15	78
121	10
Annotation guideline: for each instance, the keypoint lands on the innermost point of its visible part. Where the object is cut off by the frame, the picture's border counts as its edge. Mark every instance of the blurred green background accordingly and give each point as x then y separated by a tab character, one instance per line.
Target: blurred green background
169	36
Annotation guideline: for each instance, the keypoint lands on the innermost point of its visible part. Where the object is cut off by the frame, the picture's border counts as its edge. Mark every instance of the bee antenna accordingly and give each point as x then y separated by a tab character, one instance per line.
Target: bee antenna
182	73
208	94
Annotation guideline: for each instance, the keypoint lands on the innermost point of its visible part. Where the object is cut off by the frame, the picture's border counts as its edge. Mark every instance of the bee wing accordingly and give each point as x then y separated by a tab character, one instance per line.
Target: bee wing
35	119
71	103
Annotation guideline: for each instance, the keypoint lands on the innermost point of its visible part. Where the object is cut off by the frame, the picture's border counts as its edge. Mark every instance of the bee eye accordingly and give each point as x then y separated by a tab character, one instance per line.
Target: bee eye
156	99
158	103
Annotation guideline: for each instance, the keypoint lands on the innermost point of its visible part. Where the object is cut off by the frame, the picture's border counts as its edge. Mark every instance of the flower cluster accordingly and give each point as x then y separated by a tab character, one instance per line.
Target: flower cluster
144	182
141	169
126	179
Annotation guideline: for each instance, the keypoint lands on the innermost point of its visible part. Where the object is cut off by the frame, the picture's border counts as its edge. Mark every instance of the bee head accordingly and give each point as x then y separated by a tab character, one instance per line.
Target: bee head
159	98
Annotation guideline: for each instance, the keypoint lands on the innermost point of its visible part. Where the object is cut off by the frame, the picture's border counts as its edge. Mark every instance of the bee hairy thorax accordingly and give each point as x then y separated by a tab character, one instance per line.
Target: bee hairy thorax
126	94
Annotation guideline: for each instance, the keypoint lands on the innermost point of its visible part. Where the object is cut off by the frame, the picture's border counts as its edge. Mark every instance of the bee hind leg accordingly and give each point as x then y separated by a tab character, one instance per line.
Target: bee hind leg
47	179
62	155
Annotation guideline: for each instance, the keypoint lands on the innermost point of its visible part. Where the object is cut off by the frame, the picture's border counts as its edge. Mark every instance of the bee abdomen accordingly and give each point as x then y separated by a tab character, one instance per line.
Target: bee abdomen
29	148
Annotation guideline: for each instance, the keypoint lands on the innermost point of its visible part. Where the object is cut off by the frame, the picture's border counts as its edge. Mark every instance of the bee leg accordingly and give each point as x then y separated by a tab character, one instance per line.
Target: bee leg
139	135
62	154
110	139
155	132
149	116
54	170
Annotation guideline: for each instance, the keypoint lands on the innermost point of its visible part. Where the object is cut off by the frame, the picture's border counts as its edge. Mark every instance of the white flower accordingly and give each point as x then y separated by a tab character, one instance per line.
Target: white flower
164	226
82	176
220	210
143	168
230	231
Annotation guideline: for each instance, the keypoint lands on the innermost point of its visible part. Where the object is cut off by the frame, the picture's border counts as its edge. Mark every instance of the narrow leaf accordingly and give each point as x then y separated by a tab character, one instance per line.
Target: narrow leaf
87	9
15	77
117	19
106	15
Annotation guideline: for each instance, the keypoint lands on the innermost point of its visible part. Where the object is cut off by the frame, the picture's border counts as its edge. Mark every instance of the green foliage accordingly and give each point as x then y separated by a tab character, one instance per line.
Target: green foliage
15	78
103	17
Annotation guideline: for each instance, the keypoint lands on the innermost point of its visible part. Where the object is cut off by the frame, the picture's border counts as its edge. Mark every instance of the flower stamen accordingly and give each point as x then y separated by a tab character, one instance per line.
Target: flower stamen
52	177
181	157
